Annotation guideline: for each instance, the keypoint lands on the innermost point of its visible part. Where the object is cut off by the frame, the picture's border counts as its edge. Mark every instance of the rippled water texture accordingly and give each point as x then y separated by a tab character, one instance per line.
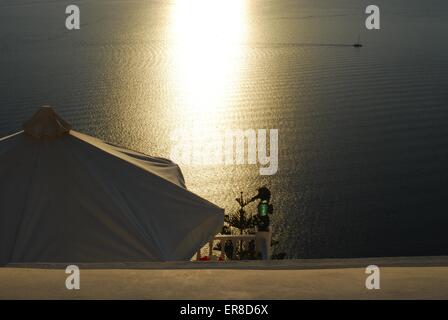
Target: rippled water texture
363	133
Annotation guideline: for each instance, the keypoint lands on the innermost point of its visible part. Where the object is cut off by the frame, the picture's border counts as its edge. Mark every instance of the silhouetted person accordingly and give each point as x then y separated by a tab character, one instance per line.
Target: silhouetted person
264	208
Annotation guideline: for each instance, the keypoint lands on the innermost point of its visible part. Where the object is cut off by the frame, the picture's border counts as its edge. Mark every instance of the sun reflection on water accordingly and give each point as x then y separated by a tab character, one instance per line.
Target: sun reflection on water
205	39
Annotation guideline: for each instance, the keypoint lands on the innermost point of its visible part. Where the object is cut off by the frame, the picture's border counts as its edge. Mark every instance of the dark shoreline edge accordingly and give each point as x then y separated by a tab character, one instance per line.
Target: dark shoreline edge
293	264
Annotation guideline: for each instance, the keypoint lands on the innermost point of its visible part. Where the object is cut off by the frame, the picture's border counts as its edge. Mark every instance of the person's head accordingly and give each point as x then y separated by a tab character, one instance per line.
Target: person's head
263	194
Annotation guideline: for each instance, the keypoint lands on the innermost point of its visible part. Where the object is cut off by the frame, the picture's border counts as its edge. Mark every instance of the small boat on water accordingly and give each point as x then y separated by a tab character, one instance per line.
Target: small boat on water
358	43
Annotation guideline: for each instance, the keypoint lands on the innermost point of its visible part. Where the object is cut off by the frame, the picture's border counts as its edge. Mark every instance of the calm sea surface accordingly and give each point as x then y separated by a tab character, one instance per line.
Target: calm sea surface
363	133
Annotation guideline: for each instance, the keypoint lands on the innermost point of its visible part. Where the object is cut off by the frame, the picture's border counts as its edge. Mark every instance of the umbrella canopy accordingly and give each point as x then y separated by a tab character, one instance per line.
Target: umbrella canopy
69	197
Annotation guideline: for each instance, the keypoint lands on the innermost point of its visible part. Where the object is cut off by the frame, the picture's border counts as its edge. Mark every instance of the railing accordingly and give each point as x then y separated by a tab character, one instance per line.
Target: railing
262	243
